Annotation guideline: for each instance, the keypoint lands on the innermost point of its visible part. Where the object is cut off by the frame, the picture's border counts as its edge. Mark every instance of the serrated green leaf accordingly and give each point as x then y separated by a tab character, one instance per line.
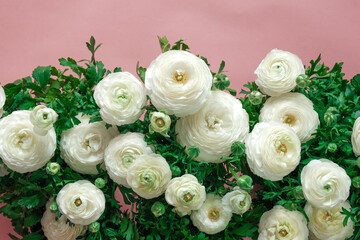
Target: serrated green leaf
29	202
42	75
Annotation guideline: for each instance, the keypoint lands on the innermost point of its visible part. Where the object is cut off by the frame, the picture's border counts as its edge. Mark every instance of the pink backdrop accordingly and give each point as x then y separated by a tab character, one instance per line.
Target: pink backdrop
241	32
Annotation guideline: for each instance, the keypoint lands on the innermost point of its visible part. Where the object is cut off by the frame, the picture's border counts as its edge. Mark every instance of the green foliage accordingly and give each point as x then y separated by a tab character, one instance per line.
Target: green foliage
69	91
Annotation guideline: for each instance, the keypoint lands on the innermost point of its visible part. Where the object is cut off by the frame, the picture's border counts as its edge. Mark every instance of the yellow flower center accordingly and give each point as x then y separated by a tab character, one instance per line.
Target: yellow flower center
78	202
159	122
283	233
214	214
188	197
327	216
281	149
179	77
289	120
45	116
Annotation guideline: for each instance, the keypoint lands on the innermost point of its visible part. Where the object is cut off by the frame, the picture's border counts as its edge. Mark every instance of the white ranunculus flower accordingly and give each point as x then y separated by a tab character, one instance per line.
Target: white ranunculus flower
355	137
149	175
2	99
21	149
185	193
325	184
328	224
121	98
121	153
212	217
272	150
282	224
278	71
293	109
238	201
159	122
43	119
58	228
81	202
83	146
178	82
219	123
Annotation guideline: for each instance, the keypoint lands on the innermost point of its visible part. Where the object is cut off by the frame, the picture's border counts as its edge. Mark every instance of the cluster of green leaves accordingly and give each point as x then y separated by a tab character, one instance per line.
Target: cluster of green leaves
69	91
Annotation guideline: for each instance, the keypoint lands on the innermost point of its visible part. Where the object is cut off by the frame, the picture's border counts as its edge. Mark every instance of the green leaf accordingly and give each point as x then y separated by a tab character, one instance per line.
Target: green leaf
42	75
33	236
32	219
29	202
164	44
221	68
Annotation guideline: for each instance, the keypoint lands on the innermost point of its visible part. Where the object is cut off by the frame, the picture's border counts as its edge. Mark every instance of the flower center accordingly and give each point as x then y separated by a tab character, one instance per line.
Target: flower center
160	122
188	197
283	231
213	122
92	142
78	202
128	160
281	149
121	96
179	77
242	203
327	216
289	120
214	214
147	178
45	116
327	188
24	139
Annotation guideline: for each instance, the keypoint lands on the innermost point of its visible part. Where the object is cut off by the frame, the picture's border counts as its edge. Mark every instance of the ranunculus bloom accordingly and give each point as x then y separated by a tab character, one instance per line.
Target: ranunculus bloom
159	122
82	147
185	193
121	153
238	201
293	109
121	98
355	137
149	175
81	202
215	127
43	119
272	150
278	71
21	149
2	99
178	82
328	224
325	184
212	217
56	228
282	224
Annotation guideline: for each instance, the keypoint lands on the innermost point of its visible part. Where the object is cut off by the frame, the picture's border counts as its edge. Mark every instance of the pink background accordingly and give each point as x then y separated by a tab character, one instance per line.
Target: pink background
240	32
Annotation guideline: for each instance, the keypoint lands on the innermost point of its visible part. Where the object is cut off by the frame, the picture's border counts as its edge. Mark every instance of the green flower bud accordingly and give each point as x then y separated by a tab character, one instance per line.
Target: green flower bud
53	207
176	171
193	152
329	118
356	182
221	81
290	205
222	190
158	209
298	193
245	182
255	97
302	81
332	147
52	168
159	122
332	110
100	183
94	227
238	148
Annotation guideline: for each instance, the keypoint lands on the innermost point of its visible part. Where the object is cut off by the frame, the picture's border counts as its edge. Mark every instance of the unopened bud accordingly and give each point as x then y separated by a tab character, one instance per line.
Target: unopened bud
53	207
298	192
158	209
222	190
332	147
193	152
94	227
52	168
329	118
302	81
356	182
175	171
100	183
255	97
238	148
245	182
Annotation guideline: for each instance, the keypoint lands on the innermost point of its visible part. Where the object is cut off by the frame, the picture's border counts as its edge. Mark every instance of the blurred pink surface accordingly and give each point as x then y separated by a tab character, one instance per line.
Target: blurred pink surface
240	32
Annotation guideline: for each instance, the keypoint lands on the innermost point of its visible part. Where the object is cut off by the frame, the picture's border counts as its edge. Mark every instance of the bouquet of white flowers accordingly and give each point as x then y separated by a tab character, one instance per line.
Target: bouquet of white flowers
173	154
